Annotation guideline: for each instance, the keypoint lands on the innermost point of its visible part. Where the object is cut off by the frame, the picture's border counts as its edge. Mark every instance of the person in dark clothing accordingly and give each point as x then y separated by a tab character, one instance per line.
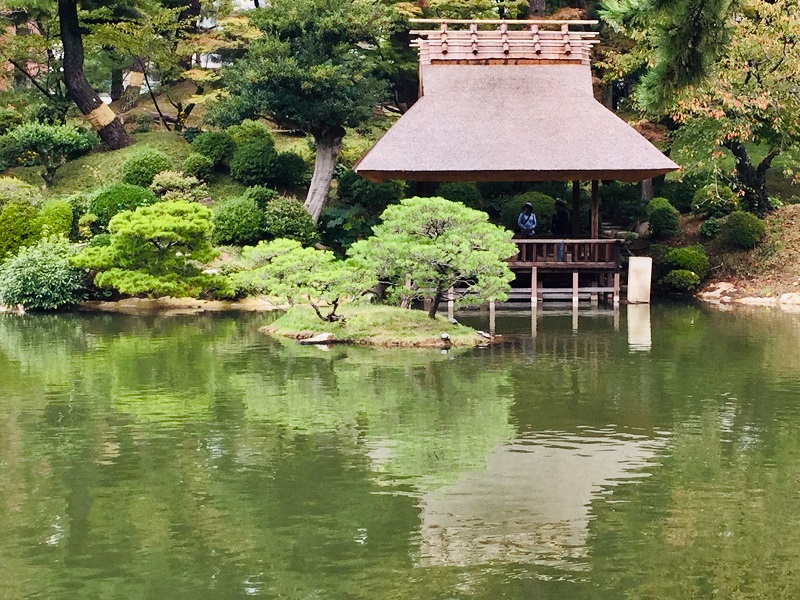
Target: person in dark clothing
562	226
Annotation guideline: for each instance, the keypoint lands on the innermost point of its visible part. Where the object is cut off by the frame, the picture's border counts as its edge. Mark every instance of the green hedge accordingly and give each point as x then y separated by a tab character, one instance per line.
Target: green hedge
287	218
116	198
144	164
741	230
216	145
237	221
462	191
55	217
252	163
714	200
690	258
18	226
664	218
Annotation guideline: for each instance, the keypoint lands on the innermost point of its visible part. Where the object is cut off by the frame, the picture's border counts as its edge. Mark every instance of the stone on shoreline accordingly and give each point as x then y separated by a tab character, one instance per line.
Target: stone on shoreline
322	338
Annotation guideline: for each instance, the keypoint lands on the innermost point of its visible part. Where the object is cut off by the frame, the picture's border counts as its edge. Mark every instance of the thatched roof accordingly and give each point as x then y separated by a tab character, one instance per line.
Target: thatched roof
489	120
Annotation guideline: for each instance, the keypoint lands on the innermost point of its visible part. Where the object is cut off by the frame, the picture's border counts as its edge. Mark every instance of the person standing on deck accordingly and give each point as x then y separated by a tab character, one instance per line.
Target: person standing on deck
526	222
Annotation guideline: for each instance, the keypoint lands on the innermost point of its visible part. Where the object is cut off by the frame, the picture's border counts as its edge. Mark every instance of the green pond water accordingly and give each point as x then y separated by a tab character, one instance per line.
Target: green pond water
599	456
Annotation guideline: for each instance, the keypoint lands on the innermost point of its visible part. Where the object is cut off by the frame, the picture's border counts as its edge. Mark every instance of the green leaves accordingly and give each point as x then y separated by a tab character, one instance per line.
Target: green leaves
157	250
438	244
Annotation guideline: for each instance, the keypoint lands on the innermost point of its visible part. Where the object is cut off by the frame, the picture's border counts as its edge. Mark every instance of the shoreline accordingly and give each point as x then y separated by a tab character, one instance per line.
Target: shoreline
726	294
169	306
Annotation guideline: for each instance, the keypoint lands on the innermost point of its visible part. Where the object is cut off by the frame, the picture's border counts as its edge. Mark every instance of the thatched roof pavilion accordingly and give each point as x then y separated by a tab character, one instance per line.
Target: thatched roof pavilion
510	105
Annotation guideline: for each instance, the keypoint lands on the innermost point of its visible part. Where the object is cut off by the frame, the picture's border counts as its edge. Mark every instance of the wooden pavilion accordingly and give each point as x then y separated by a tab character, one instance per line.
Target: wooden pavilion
513	101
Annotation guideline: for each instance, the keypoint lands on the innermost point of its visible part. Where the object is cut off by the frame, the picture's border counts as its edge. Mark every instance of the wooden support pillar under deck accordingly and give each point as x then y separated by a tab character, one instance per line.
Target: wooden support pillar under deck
575	288
576	208
616	289
595	209
534	286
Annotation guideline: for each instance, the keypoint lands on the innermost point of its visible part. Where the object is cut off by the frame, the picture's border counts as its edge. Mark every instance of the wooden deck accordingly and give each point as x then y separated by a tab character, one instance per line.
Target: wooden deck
594	264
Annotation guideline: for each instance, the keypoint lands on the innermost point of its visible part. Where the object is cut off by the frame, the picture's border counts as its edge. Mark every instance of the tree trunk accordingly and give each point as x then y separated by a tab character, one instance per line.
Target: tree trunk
135	80
752	180
437	300
102	118
536	8
116	84
647	190
329	145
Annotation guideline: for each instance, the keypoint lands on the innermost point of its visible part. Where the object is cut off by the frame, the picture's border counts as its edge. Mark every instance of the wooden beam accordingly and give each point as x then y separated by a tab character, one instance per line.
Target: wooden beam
595	209
540	22
576	207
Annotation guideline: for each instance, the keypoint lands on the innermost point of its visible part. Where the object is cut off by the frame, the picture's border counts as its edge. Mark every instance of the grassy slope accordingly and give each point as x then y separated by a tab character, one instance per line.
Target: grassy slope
376	325
771	269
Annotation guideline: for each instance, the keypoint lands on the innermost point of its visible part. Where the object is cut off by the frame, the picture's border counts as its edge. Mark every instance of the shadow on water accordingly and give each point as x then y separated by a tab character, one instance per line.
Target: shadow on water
591	455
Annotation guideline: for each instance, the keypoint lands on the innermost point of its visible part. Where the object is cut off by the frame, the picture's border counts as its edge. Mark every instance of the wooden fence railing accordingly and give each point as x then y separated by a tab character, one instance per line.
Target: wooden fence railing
568	253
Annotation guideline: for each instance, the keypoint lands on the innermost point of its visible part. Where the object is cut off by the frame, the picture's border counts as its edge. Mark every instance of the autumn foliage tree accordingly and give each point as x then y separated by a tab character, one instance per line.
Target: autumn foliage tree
725	75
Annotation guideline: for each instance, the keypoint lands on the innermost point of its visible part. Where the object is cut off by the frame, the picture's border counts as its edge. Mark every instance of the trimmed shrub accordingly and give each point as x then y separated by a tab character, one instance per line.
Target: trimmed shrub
710	227
249	131
287	218
375	197
144	164
100	240
664	218
714	201
690	258
544	207
679	193
144	123
741	230
116	198
289	169
40	277
172	185
19	227
681	281
9	119
88	226
237	221
462	191
216	145
252	163
262	195
55	218
198	165
16	190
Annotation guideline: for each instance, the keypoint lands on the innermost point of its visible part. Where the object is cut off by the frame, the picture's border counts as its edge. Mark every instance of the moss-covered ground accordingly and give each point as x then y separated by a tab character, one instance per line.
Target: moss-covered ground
376	326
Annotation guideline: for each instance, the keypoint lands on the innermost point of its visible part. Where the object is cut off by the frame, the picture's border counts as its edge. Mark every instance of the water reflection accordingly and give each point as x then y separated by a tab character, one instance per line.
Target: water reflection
194	457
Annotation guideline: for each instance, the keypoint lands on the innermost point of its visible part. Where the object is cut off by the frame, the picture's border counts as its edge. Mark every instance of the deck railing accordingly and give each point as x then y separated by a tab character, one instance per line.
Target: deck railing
568	253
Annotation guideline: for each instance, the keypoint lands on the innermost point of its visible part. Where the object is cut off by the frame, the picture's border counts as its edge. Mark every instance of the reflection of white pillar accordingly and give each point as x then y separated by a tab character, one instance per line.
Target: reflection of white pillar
534	324
639	336
640	270
574	317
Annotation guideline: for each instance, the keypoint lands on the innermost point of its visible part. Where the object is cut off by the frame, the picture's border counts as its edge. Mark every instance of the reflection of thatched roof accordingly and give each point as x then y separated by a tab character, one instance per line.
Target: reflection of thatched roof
511	122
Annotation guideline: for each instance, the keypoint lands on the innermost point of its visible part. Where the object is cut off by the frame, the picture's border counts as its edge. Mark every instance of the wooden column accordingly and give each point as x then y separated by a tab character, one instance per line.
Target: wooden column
575	288
534	285
595	209
576	208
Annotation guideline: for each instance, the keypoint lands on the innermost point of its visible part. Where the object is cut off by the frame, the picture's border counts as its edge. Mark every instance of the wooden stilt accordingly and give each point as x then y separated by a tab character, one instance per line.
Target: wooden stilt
534	286
595	209
575	288
576	208
616	289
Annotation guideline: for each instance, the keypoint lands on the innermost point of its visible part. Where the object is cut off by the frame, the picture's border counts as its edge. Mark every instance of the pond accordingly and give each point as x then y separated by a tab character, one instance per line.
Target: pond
596	455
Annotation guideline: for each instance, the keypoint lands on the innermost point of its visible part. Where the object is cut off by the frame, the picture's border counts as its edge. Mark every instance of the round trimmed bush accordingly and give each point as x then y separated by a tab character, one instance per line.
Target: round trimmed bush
237	221
544	207
144	164
216	145
262	195
353	189
40	277
172	185
19	227
714	201
681	280
116	198
462	191
249	131
742	230
55	218
16	190
664	218
289	169
9	119
252	163
287	218
690	258
199	166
